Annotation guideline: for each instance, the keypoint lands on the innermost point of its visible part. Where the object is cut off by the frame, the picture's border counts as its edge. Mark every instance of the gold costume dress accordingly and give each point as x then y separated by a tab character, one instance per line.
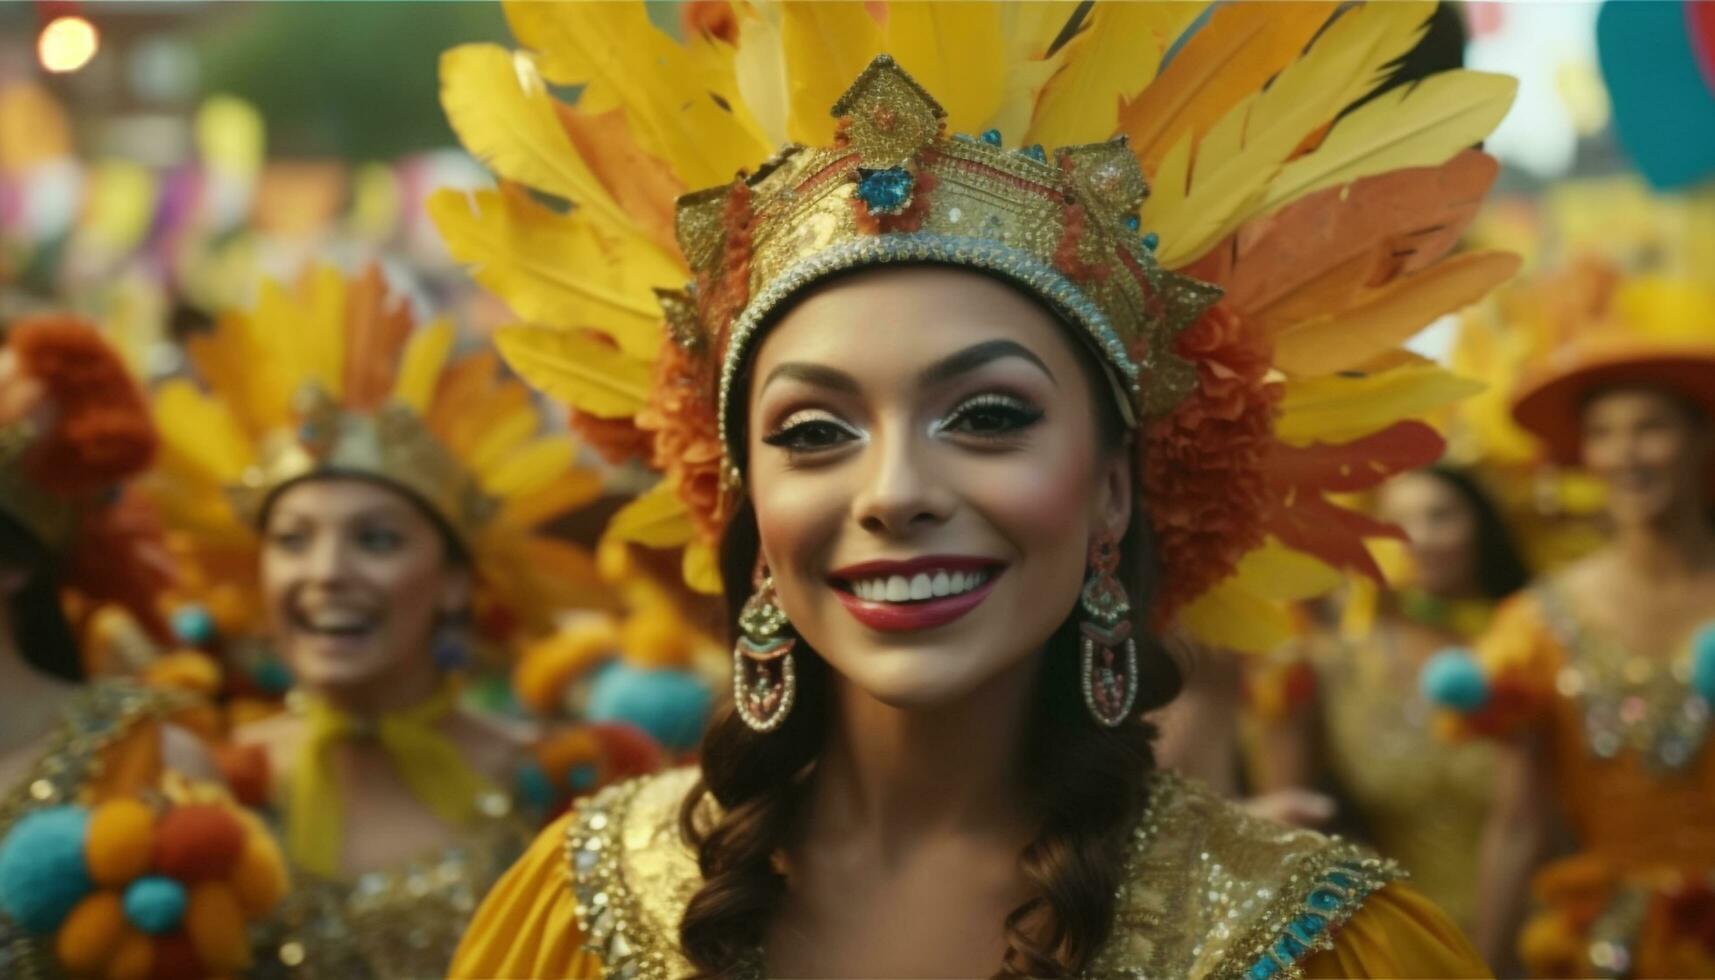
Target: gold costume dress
1627	737
109	744
1210	892
1419	800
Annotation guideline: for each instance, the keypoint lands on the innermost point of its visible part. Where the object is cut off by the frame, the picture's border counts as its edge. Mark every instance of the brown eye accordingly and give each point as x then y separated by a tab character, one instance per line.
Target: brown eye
992	416
809	432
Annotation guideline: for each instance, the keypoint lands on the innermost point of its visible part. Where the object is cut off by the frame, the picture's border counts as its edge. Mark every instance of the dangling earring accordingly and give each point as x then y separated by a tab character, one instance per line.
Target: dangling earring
450	646
1108	679
764	682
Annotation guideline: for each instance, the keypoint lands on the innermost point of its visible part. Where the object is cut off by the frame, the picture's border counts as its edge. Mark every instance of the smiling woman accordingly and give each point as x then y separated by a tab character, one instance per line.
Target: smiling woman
388	494
962	449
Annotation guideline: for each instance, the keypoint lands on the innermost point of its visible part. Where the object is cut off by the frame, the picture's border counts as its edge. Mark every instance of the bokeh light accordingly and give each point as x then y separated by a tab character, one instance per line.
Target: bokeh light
67	44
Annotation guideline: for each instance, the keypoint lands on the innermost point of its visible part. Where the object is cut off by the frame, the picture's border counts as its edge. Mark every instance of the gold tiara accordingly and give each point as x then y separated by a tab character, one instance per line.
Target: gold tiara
896	189
390	445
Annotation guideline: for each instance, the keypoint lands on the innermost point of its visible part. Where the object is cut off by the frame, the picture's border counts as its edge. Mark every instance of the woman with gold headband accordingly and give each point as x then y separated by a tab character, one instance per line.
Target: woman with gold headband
392	494
1599	678
965	447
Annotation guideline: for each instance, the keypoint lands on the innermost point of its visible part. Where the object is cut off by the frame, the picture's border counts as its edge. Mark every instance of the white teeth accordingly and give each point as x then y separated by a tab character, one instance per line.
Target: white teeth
920	587
336	620
923	585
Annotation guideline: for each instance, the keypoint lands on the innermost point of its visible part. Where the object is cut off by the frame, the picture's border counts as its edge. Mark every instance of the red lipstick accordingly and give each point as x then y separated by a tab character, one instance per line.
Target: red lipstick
924	614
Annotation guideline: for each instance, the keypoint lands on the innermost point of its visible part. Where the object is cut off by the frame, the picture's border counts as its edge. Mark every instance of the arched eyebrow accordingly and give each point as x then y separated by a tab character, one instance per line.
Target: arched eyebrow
944	370
977	355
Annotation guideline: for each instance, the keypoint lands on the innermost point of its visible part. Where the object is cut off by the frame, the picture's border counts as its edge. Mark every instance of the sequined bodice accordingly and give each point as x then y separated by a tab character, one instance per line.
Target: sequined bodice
1422	800
71	761
401	922
1209	892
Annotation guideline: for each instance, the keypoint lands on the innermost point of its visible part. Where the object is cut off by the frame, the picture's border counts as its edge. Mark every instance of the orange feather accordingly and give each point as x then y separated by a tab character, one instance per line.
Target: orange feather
376	332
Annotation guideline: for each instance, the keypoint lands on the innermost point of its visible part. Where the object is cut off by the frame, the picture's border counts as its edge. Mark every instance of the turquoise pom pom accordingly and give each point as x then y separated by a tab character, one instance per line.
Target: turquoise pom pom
1453	679
533	784
1703	662
672	706
193	625
42	869
272	676
155	904
581	778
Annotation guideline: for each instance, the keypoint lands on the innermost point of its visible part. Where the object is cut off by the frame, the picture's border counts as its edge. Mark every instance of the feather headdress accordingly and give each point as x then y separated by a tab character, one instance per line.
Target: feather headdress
333	377
1328	227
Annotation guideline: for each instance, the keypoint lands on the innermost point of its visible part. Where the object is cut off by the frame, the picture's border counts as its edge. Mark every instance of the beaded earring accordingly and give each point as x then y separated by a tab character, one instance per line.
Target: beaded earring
764	680
1109	680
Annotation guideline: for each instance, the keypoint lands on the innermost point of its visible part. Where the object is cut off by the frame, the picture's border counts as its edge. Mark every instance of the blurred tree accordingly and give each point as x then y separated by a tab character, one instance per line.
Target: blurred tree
352	79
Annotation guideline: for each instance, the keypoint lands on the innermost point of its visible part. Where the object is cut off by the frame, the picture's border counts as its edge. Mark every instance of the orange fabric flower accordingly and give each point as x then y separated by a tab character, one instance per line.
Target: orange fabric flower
616	441
101	432
687	447
1202	466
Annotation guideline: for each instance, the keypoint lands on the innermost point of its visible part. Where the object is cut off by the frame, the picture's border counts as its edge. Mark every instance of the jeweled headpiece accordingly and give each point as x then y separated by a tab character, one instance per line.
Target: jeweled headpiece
1258	161
894	188
333	379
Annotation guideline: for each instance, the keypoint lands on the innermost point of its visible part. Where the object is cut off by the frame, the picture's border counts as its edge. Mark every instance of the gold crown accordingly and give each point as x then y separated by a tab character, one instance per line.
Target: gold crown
894	188
48	517
390	445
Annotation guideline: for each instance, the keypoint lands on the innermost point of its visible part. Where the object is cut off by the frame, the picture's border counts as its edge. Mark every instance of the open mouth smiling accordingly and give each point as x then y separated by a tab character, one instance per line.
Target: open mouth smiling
917	594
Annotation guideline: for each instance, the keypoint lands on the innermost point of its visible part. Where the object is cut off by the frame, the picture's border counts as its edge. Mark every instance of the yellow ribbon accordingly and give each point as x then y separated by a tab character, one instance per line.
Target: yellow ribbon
433	768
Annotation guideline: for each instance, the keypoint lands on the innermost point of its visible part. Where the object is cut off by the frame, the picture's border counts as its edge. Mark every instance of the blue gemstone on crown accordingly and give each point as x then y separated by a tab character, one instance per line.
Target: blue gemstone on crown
886	191
1151	240
1035	152
1131	222
991	137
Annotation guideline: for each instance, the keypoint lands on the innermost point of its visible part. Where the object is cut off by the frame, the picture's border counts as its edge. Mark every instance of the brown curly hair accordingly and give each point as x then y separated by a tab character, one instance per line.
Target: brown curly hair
1090	789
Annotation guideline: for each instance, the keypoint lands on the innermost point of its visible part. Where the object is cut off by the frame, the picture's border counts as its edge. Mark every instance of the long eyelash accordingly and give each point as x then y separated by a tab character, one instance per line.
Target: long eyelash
1028	412
784	429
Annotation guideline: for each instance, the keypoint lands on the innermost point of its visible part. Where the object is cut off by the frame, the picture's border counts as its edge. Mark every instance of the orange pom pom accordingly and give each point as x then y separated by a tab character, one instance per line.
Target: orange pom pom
133	959
176	959
120	841
185	670
90	935
260	880
215	922
245	769
198	842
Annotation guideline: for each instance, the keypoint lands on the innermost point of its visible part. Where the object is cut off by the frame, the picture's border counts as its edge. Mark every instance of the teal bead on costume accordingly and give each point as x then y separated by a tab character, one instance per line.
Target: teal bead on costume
1453	679
43	873
193	625
155	905
1703	662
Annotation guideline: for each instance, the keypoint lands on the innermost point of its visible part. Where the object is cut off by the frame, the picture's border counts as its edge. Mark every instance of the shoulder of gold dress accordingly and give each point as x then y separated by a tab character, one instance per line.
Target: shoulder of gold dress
1213	892
633	874
99	714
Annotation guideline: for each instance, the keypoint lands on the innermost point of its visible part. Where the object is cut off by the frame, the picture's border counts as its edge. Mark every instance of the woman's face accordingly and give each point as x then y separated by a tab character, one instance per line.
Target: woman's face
1647	450
1440	530
923	460
356	578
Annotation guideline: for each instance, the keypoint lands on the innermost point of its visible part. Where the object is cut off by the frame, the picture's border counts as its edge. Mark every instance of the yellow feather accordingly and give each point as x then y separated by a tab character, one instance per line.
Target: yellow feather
826	45
1422	125
558	269
760	67
568	491
502	437
1113	58
667	95
1027	28
202	432
577	369
1225	62
1275	571
657	519
1391	315
531	468
271	332
950	49
1242	150
701	568
420	367
1231	617
322	331
1342	407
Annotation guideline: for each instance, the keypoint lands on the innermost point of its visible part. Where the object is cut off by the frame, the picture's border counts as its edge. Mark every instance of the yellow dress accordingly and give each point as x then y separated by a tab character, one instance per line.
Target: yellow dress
1210	893
1627	736
1421	800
